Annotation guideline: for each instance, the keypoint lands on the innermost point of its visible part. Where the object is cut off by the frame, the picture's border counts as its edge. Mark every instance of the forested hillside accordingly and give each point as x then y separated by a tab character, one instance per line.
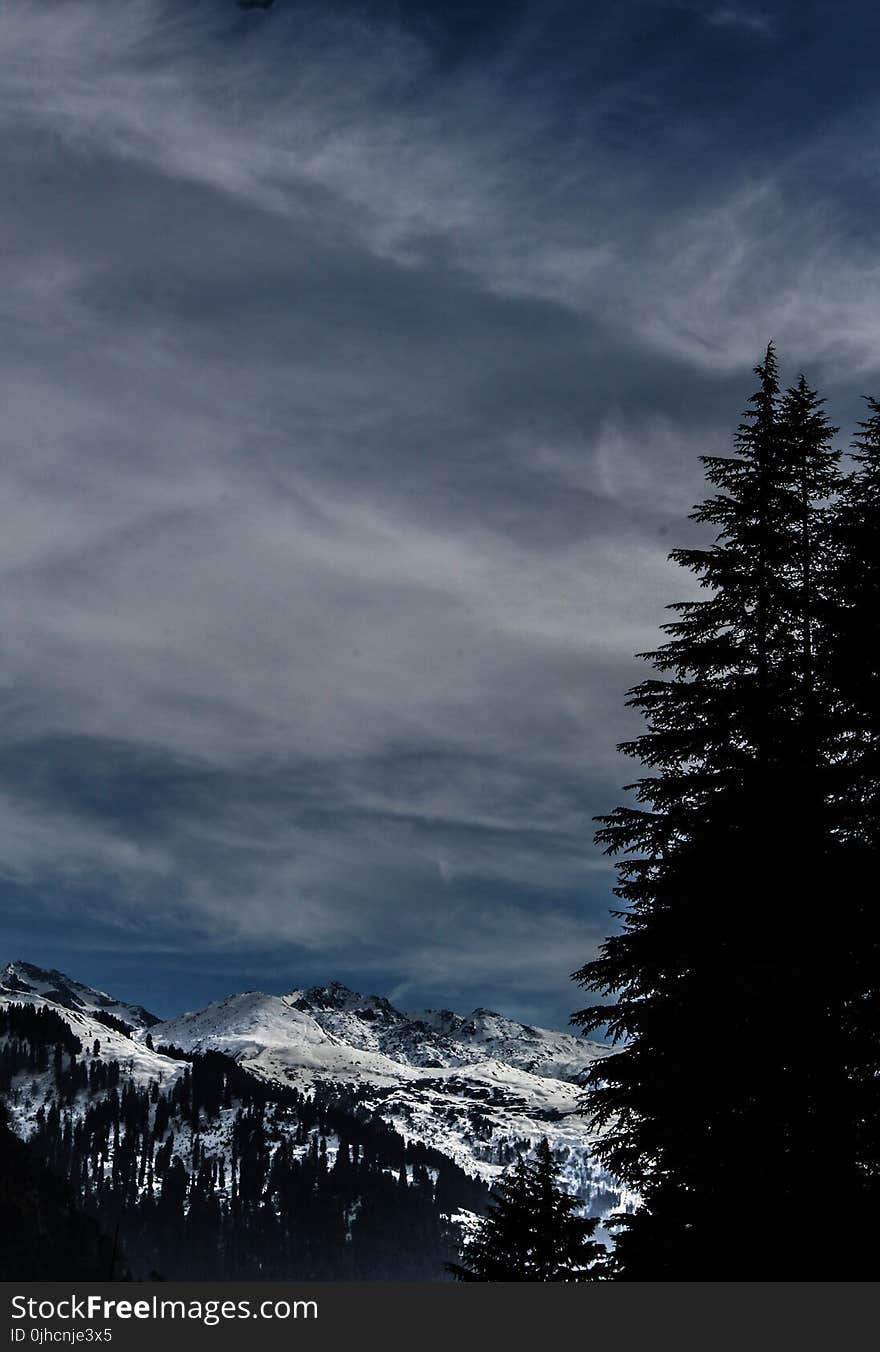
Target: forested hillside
220	1175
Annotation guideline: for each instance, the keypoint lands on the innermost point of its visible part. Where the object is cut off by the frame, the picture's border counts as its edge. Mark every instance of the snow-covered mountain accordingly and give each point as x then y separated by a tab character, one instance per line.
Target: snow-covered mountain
24	979
477	1087
81	1007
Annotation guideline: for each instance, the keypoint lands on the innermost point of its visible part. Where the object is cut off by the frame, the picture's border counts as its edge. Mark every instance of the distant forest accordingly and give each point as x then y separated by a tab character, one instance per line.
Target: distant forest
744	981
222	1177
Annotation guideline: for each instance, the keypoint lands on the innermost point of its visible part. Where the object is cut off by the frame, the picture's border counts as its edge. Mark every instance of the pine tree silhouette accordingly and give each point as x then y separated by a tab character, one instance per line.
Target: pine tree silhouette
853	643
852	656
530	1232
730	1092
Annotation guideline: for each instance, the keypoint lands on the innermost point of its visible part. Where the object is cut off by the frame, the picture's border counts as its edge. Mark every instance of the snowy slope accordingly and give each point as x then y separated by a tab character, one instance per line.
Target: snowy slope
476	1087
25	979
438	1037
331	1029
21	983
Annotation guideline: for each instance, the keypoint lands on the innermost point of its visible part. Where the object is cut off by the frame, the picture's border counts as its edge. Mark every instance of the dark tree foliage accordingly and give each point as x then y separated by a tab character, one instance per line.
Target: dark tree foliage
111	1021
176	1053
39	1028
44	1235
732	976
852	649
851	653
530	1232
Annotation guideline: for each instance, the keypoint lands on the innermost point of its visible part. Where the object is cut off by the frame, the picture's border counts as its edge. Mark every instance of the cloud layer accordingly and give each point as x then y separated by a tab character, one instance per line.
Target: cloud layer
354	374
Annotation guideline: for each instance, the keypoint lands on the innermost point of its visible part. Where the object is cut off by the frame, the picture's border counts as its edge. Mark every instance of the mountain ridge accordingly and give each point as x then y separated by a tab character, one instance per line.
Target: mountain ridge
28	979
477	1087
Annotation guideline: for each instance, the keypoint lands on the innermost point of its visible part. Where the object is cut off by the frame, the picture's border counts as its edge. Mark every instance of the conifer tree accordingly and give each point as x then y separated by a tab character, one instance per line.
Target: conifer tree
531	1232
724	989
853	642
851	646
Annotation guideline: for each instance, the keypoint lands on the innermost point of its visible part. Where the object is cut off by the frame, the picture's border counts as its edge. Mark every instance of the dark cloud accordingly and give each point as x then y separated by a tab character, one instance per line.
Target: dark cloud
356	366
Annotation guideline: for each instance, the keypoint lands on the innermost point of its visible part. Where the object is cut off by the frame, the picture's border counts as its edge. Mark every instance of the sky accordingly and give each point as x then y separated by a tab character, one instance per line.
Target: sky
355	363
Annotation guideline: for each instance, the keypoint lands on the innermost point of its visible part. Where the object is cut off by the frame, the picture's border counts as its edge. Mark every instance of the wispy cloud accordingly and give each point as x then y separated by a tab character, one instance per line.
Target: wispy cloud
740	16
352	394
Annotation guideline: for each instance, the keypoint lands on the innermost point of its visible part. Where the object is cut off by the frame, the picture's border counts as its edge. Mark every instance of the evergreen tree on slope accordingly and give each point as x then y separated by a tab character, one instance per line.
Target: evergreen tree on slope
531	1232
718	1104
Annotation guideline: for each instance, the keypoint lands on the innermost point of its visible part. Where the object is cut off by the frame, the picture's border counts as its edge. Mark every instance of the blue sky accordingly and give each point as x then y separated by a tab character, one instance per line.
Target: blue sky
356	362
